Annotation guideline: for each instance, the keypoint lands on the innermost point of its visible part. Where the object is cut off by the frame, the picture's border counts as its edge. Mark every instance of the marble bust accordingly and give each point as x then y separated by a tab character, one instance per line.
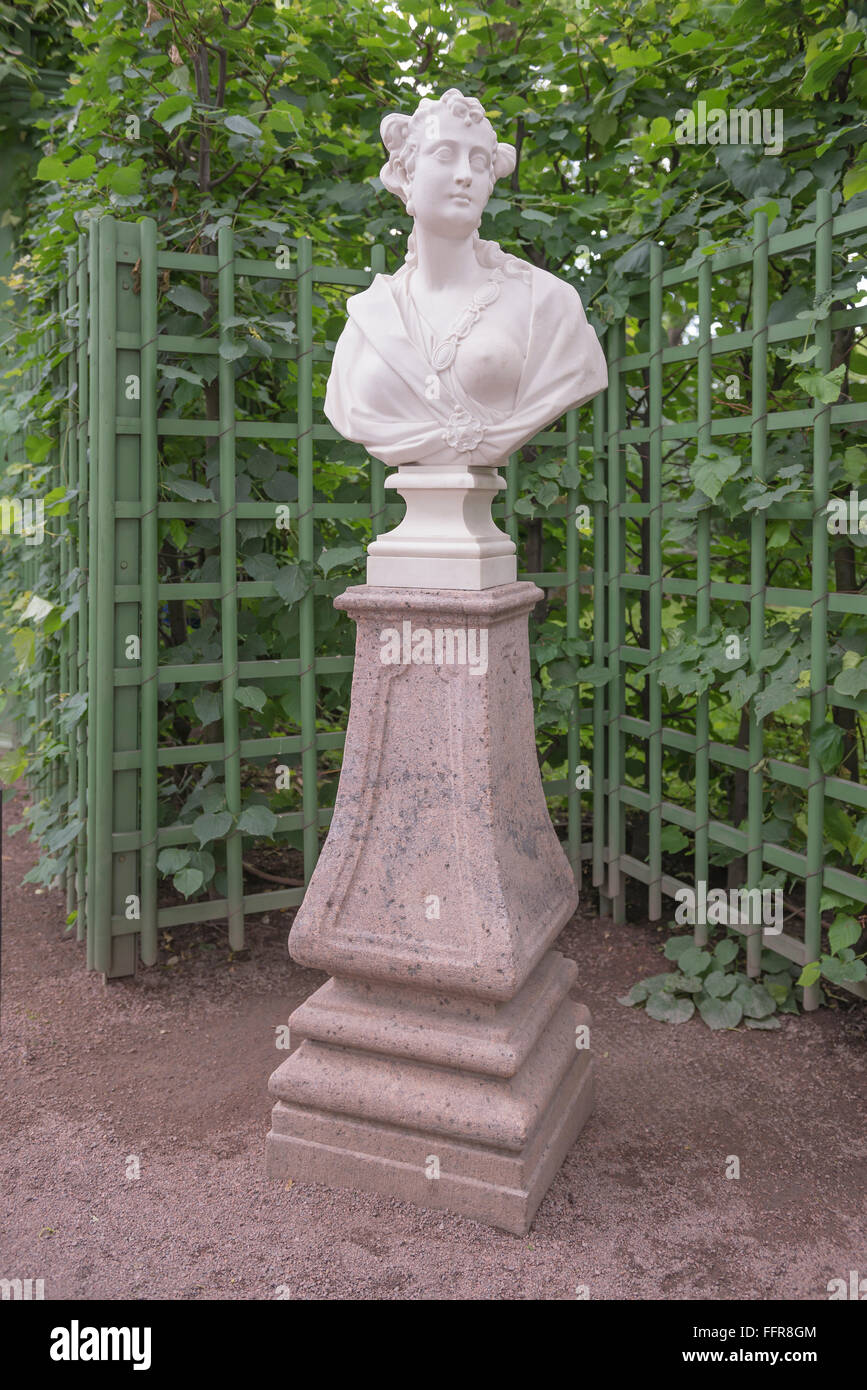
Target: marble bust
466	352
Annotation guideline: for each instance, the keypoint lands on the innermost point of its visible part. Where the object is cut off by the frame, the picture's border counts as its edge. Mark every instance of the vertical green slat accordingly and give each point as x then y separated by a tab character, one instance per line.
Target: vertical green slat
229	591
126	711
307	651
83	430
149	580
573	619
377	467
654	744
72	799
702	597
758	570
616	886
599	652
66	306
819	603
103	602
58	665
94	366
39	652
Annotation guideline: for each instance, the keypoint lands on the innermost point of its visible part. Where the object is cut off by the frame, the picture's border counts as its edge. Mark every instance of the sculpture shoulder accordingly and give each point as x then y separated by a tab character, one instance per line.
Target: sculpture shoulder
550	289
368	299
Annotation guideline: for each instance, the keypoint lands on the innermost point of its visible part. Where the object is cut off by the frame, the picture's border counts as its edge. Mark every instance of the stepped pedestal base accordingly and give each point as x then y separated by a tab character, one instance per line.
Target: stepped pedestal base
483	1137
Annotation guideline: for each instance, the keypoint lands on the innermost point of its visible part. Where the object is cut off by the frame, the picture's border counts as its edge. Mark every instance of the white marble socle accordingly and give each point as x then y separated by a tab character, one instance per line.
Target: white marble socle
459	358
448	538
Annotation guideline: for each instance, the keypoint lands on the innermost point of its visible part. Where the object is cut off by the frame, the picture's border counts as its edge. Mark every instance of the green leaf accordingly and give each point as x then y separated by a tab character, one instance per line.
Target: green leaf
665	1008
636	995
852	680
755	1000
824	386
843	971
837	826
764	1023
230	352
672	840
827	744
212	825
339	557
623	58
241	126
725	951
290	584
171	861
855	181
51	169
694	961
720	1013
189	299
845	931
261	566
654	983
180	374
594	675
711	471
185	487
685	984
208	707
250	696
779	987
124	179
676	945
257	820
719	985
810	974
82	167
188	881
174	111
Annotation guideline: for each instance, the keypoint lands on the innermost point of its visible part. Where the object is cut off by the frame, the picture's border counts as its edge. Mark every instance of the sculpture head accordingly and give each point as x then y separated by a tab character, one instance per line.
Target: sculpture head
443	162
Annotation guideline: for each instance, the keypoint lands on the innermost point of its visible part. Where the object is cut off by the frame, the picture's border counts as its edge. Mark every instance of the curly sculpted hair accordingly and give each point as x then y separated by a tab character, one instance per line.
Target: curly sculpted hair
401	136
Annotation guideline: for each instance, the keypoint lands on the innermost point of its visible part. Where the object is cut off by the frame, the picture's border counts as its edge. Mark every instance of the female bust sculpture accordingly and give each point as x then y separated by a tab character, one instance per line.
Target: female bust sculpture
466	352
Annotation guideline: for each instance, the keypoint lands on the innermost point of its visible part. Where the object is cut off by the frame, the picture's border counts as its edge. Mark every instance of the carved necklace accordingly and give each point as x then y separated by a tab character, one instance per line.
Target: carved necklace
444	353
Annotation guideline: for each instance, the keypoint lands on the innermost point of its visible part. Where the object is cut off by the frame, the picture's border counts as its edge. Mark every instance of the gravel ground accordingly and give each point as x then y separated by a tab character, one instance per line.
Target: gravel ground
171	1068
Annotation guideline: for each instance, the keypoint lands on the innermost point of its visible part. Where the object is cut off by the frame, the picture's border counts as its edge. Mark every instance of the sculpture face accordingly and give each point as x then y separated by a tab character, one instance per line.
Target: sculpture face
453	175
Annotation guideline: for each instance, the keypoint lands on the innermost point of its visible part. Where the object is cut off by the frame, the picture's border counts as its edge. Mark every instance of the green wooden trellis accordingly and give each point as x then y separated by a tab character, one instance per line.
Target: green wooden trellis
705	588
111	459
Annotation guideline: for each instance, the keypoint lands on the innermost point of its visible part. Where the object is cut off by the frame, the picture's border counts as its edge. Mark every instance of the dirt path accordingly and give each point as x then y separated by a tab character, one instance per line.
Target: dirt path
172	1068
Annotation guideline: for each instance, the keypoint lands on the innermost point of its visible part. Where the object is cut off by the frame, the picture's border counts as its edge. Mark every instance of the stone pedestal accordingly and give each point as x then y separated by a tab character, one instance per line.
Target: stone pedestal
444	1063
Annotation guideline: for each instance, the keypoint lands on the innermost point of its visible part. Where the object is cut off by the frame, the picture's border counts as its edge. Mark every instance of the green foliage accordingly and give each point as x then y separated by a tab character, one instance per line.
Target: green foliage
708	981
265	119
